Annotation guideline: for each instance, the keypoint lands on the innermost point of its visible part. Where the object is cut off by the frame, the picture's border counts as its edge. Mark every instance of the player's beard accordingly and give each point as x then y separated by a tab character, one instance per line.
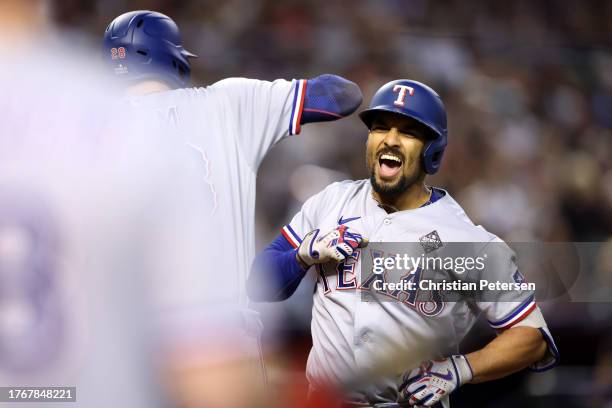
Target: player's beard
393	188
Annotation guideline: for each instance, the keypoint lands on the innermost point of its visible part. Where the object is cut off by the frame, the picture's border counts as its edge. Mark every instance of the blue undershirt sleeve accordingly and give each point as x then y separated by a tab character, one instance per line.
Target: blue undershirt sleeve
329	97
275	274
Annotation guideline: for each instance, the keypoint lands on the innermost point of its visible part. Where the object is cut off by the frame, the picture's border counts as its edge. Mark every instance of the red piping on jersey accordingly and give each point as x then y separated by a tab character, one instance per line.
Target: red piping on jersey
527	313
299	118
288	238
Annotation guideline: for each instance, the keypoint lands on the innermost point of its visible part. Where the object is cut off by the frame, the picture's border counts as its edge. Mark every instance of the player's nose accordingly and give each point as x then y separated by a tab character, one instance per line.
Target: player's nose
392	137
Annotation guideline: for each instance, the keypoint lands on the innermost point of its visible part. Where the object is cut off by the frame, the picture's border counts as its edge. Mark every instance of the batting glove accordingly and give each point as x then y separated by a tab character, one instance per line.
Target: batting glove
434	380
335	246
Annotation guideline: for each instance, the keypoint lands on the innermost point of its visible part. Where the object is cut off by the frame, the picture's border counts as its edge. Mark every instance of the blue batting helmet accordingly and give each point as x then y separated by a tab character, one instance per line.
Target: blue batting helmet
419	102
145	44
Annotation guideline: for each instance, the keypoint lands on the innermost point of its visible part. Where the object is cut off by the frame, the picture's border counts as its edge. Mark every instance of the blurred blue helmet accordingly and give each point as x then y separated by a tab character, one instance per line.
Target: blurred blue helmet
144	44
419	102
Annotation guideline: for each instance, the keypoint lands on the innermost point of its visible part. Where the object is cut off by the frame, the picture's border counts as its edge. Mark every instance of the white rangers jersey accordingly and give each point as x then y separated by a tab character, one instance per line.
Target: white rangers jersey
226	130
350	336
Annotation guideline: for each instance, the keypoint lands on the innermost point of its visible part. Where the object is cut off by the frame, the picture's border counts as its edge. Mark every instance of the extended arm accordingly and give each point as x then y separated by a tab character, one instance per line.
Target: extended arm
262	113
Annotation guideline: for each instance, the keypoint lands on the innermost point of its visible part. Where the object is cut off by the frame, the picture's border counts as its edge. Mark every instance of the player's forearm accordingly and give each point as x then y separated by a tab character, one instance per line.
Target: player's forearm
511	351
275	274
330	97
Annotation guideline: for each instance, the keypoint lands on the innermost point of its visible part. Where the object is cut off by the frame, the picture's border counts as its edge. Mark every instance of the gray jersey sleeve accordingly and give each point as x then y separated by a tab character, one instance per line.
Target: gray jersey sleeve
264	112
307	219
505	309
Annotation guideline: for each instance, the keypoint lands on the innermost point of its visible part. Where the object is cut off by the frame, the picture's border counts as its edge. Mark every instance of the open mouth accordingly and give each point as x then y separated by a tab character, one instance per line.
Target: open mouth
390	165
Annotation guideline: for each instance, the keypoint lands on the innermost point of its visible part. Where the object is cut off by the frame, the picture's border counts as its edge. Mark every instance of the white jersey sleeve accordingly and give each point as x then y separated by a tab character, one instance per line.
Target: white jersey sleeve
265	112
512	308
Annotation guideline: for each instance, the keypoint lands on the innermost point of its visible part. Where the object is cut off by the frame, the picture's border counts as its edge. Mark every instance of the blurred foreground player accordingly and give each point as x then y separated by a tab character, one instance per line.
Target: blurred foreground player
352	337
74	225
227	129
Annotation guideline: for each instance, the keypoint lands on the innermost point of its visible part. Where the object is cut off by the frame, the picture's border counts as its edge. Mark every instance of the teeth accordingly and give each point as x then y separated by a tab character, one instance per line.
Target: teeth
390	157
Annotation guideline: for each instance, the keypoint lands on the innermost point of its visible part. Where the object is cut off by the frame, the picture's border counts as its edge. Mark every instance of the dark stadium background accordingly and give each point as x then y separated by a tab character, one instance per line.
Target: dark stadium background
528	87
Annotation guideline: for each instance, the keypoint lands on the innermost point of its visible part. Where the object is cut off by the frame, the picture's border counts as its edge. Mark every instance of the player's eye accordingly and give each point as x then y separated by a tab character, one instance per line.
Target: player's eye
412	133
379	127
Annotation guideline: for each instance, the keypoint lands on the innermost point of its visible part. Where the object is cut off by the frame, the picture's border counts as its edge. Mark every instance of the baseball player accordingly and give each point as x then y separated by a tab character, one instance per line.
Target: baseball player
227	128
406	141
75	217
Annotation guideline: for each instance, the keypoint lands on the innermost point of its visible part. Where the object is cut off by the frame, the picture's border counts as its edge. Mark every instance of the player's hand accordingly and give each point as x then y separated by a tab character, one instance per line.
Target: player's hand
433	380
333	246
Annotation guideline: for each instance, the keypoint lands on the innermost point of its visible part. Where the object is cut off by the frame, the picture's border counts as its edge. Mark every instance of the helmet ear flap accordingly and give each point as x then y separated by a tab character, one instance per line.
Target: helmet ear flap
432	156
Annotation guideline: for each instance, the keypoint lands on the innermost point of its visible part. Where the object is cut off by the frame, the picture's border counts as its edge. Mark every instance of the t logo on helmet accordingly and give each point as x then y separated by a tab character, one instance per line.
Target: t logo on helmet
403	90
